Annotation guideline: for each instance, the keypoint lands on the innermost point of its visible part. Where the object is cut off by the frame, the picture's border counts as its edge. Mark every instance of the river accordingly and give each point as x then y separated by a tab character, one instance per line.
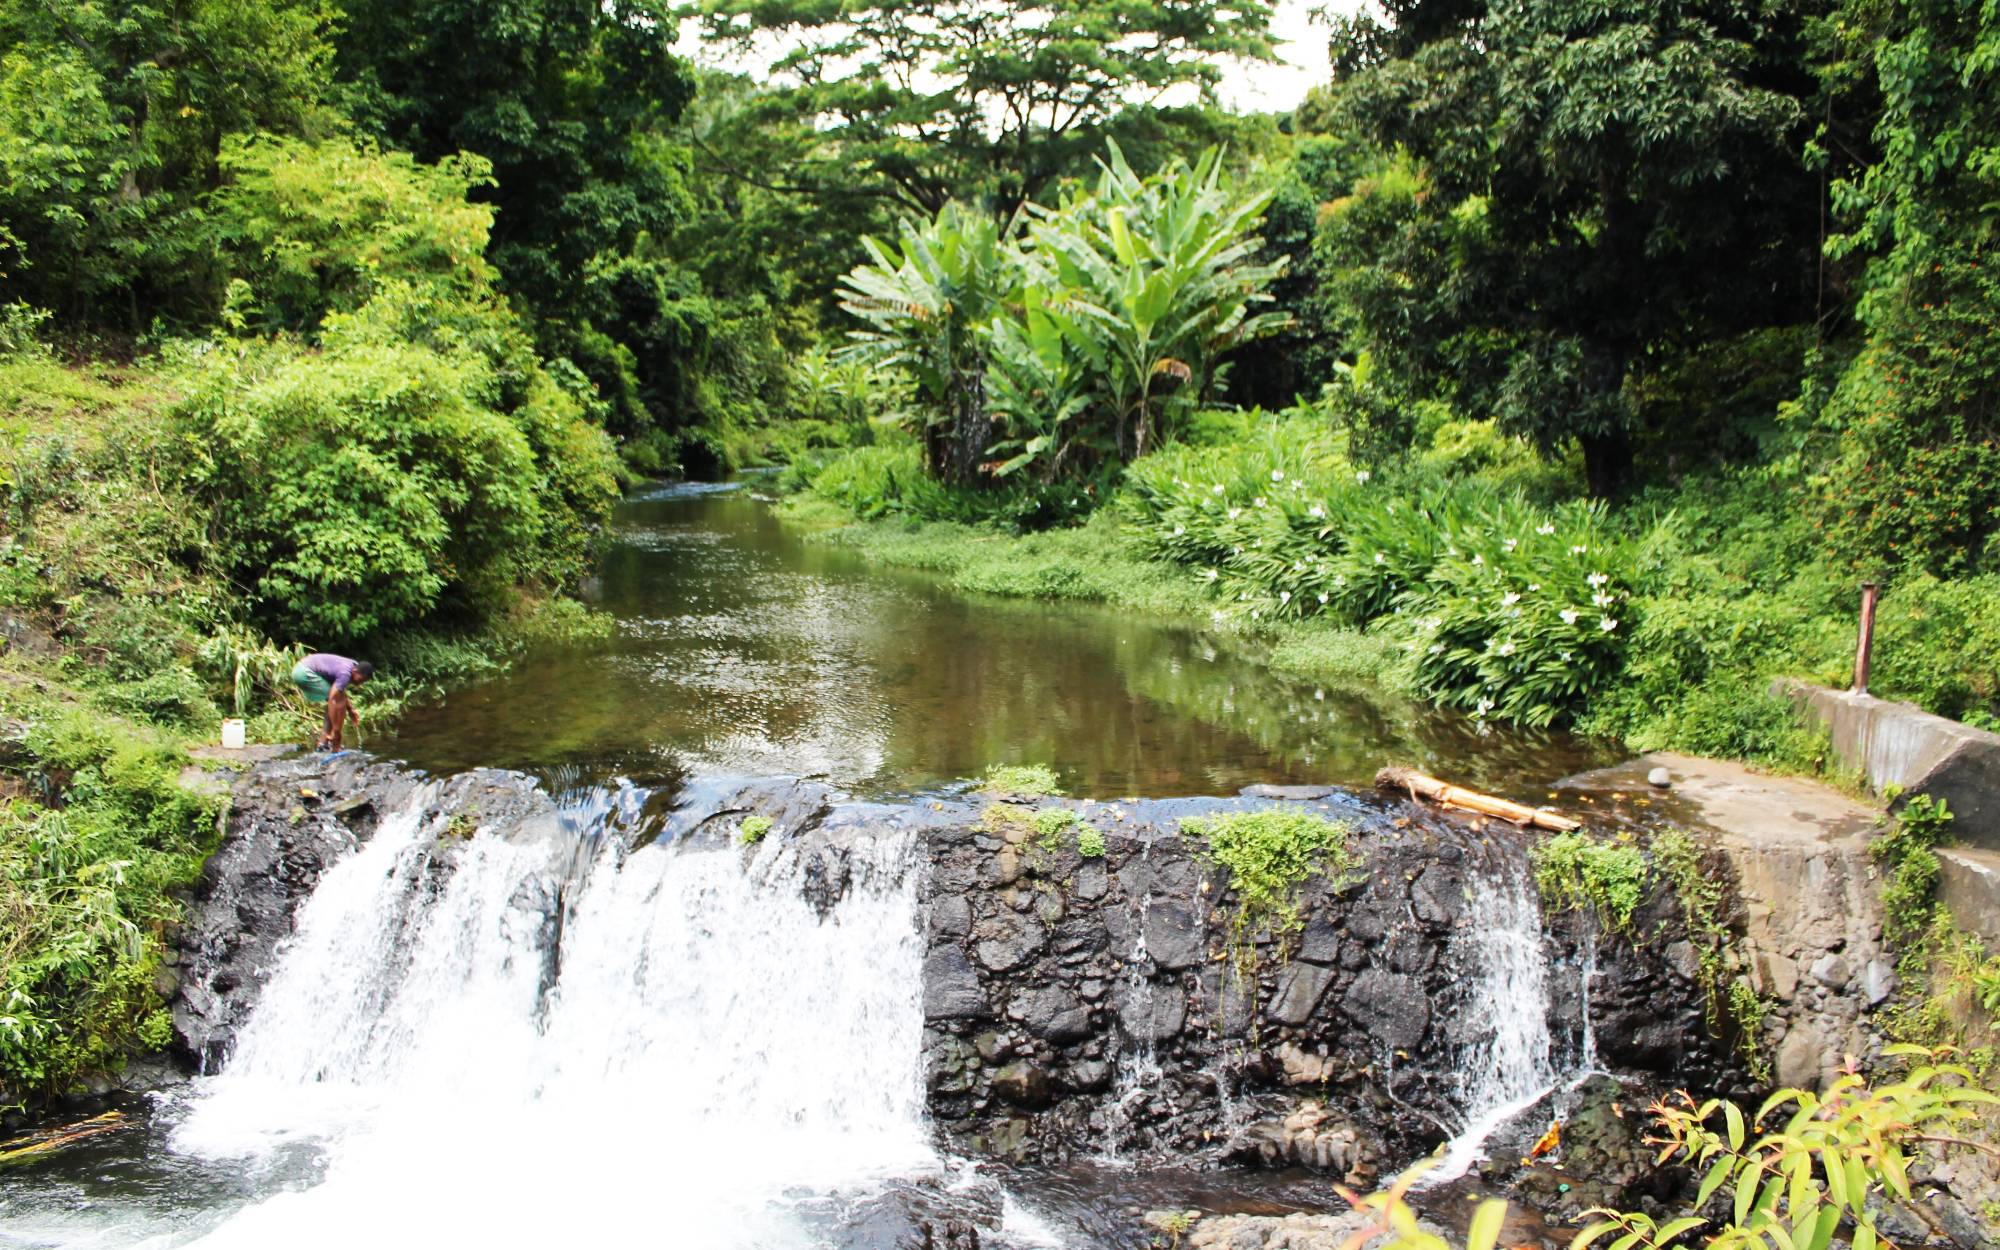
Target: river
744	647
692	1057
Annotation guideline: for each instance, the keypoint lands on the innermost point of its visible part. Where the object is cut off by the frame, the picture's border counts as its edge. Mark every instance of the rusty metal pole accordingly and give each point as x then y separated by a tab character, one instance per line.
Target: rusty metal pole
1867	641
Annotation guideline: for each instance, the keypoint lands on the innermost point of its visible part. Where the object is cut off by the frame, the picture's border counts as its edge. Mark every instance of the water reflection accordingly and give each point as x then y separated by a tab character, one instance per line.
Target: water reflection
743	648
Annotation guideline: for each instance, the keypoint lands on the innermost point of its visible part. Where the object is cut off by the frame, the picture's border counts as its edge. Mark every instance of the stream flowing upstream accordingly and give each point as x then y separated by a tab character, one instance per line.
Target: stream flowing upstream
572	1041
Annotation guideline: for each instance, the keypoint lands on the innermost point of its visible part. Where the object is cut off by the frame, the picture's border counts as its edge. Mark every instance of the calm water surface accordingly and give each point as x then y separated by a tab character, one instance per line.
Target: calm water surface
743	647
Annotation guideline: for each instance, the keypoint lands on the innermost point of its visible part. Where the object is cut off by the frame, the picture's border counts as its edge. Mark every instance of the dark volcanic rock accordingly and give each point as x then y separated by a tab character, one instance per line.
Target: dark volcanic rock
287	822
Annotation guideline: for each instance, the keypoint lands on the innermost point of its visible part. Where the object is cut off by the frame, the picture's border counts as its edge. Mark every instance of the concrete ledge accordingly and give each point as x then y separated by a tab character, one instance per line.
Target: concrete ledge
1969	885
1898	744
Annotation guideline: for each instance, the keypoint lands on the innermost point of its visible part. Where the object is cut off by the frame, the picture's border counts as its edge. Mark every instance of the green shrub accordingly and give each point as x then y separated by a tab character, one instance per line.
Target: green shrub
1906	849
1021	781
1268	854
753	829
1577	873
1937	644
86	891
1090	843
367	487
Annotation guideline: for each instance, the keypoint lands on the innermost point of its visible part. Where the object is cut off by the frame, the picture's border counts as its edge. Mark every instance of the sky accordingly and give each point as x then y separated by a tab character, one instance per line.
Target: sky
1249	88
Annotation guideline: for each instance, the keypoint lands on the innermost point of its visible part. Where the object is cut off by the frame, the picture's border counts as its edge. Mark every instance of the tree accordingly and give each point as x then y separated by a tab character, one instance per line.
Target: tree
111	118
1602	186
1918	481
926	304
935	100
1158	280
563	99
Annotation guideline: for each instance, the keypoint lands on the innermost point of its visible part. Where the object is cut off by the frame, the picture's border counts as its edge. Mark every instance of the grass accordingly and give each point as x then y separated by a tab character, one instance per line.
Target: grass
1268	854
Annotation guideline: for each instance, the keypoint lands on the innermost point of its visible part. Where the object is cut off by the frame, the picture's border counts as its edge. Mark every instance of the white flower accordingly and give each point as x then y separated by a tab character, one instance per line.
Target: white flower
1361	476
1565	656
1534	586
1284	596
1569	615
1437	648
1546	528
1505	648
1260	501
1179	530
1217	488
1477	558
1511	543
1598	579
1254	614
1210	574
1298	566
1577	551
1339	581
1606	624
1322	596
1242	595
1234	513
1277	475
1509	599
1485	706
1381	558
1318	513
1601	599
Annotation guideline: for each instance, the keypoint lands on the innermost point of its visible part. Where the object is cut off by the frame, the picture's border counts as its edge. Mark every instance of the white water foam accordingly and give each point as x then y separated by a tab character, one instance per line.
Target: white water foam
1510	1063
708	1060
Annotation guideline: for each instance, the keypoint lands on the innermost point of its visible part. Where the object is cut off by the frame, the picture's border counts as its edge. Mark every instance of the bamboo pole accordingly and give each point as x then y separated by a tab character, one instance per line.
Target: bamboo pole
45	1140
1418	785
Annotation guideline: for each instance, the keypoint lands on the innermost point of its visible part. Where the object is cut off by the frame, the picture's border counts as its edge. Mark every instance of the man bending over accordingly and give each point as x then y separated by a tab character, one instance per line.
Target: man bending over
324	678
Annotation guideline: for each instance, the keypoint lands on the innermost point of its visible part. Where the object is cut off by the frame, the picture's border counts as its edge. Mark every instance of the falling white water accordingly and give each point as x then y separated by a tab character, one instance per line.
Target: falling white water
699	1061
1509	1065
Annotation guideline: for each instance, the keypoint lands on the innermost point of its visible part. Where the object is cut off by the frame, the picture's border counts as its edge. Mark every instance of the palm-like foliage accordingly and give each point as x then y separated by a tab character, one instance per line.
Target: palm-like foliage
926	305
1155	282
1081	345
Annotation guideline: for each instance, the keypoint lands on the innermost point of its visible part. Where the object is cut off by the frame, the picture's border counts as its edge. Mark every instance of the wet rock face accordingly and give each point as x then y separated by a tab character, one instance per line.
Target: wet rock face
1080	1004
286	824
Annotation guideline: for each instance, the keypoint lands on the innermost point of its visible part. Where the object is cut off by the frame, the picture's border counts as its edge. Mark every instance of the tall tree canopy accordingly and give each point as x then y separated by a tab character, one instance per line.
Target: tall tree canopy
935	100
1598	187
563	99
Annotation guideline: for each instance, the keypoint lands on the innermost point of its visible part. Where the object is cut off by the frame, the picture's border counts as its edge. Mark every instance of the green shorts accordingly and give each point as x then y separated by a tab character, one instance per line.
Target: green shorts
316	689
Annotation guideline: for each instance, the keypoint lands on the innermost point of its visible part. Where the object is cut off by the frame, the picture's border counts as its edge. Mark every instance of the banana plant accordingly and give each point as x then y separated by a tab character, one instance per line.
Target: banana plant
1038	388
1157	280
926	304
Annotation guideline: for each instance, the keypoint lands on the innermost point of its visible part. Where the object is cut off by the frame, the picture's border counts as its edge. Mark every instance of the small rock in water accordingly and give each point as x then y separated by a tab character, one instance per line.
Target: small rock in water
1659	778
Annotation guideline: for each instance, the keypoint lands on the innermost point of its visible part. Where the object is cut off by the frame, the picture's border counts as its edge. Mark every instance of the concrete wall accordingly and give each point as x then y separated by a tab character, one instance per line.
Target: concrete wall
1897	744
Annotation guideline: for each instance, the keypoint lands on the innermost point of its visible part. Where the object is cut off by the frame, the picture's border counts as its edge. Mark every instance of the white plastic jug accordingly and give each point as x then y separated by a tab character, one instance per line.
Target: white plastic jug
232	735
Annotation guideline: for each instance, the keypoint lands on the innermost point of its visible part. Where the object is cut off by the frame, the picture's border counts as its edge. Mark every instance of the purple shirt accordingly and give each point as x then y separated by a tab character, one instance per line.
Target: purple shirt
337	669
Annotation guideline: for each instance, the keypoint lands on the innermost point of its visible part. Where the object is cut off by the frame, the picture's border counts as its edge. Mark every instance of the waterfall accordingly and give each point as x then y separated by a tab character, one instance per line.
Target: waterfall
1507	1064
565	1041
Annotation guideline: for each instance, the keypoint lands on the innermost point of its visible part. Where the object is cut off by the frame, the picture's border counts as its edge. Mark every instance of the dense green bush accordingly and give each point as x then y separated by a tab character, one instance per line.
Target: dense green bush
1938	645
312	228
366	487
86	890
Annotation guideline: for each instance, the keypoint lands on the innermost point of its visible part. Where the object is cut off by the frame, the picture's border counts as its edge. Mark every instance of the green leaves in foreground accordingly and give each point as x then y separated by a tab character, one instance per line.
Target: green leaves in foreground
1844	1155
1269	853
1841	1155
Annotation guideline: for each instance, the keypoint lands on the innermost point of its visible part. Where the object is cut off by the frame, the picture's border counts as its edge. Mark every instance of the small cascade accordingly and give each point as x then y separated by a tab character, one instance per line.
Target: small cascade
707	1056
1509	1063
1138	1064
